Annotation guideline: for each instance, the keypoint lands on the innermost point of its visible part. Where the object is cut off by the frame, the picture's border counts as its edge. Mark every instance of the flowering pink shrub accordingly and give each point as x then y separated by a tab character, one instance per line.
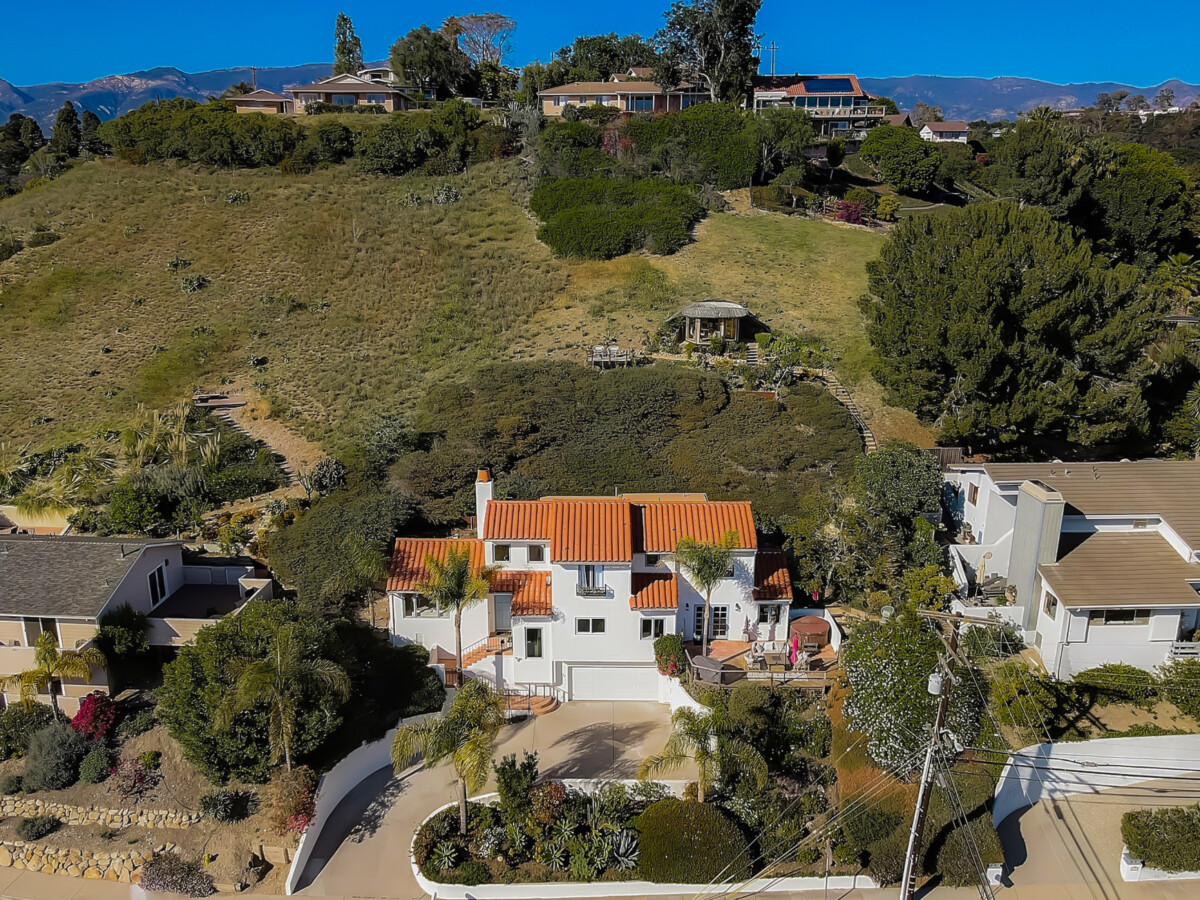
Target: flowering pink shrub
852	212
96	717
132	778
670	655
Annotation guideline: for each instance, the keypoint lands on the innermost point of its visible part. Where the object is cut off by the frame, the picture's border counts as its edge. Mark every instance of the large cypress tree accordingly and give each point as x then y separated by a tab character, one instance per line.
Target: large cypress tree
66	138
89	130
1002	327
347	48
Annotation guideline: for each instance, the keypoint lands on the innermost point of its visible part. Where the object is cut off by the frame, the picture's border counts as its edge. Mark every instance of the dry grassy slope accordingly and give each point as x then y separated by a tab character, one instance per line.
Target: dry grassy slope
95	323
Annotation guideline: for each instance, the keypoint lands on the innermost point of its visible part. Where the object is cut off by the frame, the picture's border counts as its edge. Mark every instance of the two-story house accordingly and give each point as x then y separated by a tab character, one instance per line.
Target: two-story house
1093	562
65	586
585	585
837	104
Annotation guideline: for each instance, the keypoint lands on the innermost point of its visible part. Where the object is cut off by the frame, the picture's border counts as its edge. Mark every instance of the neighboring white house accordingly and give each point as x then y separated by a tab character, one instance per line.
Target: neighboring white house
1094	562
944	131
585	586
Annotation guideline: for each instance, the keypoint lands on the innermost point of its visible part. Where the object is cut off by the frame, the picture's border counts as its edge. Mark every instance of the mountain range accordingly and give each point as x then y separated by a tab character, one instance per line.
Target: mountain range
959	98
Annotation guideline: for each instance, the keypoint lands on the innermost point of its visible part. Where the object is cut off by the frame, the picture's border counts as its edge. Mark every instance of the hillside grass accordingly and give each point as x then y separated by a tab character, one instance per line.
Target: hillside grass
385	299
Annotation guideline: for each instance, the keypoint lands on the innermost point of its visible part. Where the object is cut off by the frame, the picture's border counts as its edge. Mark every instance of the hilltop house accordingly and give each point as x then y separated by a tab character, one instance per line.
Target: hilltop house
1093	563
837	104
262	101
631	92
64	585
943	132
585	585
350	90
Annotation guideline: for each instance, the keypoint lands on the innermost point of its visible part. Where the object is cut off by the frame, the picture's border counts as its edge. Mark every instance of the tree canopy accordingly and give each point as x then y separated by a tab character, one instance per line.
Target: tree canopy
1003	328
902	159
430	59
714	39
347	47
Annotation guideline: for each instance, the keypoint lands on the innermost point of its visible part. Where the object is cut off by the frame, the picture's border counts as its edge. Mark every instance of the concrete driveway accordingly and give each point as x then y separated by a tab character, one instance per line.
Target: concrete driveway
363	849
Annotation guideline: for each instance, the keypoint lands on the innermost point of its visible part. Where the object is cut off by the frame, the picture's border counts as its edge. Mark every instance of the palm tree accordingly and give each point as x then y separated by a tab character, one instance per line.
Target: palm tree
707	564
465	735
52	664
711	741
1179	276
453	585
279	680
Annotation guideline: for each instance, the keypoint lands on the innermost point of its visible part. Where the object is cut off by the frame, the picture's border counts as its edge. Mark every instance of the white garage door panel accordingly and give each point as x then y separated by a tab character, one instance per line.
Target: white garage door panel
614	683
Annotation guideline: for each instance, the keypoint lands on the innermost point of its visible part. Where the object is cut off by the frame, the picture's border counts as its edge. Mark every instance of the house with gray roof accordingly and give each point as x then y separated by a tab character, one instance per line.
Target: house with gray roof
701	322
1093	563
65	585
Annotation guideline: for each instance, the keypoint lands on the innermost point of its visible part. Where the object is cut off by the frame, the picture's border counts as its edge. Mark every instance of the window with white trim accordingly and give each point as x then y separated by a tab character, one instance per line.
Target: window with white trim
502	553
533	643
1050	607
652	628
589	626
1119	617
768	613
537	552
158	584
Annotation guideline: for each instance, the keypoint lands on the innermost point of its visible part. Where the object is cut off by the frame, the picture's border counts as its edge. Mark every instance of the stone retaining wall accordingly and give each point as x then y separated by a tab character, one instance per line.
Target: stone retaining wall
94	815
124	866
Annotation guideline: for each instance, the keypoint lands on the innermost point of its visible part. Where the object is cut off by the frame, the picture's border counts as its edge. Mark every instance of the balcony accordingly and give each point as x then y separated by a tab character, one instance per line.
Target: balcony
845	112
583	590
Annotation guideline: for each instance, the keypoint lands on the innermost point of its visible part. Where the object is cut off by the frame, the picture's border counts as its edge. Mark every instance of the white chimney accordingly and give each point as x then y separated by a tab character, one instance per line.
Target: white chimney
484	488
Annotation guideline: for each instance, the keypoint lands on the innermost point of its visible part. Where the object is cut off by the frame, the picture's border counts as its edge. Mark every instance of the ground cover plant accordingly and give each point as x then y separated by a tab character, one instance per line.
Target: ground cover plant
1167	839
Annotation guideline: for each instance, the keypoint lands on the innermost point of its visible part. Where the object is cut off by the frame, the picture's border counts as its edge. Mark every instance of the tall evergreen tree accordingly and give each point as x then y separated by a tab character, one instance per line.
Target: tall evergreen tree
347	48
89	132
713	40
66	138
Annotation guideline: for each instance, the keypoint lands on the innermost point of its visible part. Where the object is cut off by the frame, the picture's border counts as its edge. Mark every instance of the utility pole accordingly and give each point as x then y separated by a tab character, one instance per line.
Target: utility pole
254	76
908	881
773	48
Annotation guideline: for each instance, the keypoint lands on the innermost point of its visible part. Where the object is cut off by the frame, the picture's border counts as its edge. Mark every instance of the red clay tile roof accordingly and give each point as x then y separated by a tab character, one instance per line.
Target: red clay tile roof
654	591
517	520
408	558
771	579
530	591
590	530
812	87
663	524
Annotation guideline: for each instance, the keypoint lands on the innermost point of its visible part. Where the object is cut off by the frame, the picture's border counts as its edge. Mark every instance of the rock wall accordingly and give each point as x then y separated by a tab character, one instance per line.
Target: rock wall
94	815
124	866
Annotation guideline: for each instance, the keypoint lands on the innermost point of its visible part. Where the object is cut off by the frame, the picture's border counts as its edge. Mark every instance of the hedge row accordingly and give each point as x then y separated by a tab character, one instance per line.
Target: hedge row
599	218
1167	838
686	842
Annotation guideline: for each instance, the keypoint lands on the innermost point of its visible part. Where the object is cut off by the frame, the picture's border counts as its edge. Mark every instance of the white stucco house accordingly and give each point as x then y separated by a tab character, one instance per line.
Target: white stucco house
938	132
1093	562
585	586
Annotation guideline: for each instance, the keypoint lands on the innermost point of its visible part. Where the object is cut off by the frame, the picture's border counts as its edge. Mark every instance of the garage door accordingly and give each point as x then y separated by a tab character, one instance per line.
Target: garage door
614	683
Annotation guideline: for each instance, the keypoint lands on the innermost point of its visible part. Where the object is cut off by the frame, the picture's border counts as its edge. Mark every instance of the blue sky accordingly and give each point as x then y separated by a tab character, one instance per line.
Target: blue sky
1055	41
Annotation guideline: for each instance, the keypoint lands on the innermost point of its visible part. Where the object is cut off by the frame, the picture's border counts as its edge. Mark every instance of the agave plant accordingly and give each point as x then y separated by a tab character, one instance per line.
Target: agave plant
624	846
553	854
562	830
518	840
445	856
598	851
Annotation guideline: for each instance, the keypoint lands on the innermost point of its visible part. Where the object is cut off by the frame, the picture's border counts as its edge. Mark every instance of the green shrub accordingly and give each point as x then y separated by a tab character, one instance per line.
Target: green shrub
18	724
514	784
1180	680
862	196
136	723
750	708
885	857
95	766
171	873
1118	682
42	238
493	142
54	756
671	655
1167	838
12	784
887	209
816	736
470	873
956	861
867	825
33	828
226	805
688	842
599	114
10	247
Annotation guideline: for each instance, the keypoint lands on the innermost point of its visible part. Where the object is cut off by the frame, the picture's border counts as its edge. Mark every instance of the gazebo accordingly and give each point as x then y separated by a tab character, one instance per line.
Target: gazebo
731	321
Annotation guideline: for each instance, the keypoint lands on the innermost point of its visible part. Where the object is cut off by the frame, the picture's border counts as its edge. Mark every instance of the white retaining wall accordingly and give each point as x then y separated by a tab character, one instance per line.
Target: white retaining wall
561	890
1045	771
1132	869
671	692
335	785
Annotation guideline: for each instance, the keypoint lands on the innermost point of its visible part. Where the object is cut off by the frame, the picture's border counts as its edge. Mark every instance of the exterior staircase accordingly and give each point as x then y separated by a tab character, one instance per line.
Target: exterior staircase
845	398
533	705
752	354
494	643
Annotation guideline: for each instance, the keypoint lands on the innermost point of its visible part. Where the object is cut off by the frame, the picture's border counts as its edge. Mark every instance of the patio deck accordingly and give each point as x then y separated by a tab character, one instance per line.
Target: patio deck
200	601
732	655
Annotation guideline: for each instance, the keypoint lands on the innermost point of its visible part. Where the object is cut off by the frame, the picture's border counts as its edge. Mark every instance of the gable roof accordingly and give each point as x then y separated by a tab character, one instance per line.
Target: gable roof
771	578
1169	488
530	591
1121	569
899	120
612	529
612	88
938	127
409	556
663	525
64	577
347	83
656	590
259	94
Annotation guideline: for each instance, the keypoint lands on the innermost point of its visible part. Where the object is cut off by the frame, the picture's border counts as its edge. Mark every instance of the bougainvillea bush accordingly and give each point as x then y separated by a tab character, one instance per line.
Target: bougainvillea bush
96	717
293	800
670	655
